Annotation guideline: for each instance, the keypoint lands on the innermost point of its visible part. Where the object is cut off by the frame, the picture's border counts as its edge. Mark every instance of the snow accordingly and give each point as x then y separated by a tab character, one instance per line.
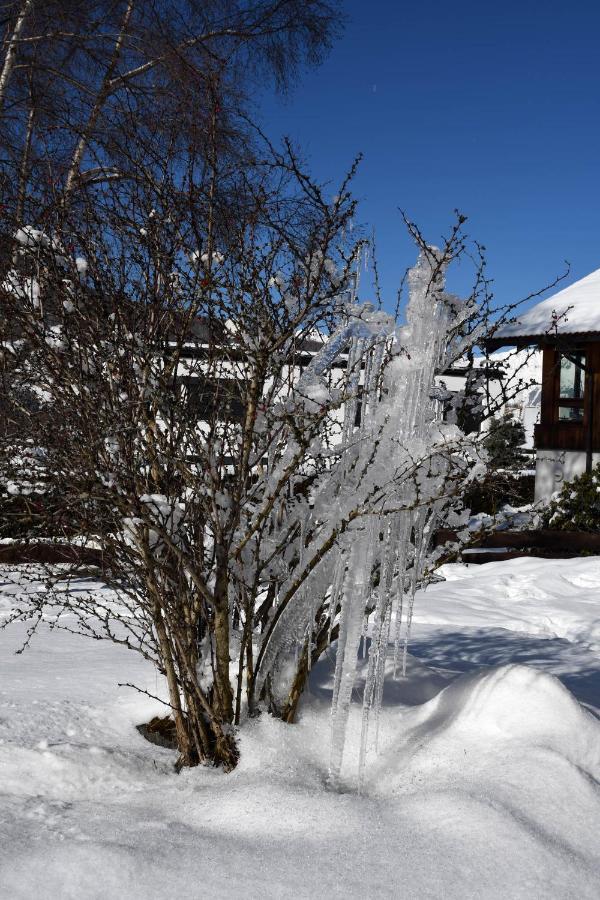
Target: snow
32	237
217	258
584	298
27	289
485	784
550	598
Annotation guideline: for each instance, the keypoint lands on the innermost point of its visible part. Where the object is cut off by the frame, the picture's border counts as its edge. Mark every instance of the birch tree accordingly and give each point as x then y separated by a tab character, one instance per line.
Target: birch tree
83	85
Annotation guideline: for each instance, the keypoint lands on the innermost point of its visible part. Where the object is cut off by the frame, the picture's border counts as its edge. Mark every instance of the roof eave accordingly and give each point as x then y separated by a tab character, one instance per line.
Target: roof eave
542	340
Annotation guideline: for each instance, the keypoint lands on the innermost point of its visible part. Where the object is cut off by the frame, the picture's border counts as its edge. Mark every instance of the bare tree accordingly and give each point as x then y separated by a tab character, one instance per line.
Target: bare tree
86	90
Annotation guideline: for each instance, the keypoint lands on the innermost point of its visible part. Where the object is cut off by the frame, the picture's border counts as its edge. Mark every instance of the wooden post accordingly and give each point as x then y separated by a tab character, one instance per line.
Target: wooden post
589	437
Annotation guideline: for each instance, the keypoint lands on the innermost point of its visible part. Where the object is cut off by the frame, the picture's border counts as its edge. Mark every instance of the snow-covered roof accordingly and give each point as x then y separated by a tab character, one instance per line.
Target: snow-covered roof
577	306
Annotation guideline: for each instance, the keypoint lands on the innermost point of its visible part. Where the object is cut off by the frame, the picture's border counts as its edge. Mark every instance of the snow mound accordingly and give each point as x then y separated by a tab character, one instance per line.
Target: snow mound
514	702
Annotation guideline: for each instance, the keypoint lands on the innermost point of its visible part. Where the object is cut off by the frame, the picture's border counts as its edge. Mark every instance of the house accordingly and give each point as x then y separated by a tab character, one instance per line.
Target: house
505	397
566	327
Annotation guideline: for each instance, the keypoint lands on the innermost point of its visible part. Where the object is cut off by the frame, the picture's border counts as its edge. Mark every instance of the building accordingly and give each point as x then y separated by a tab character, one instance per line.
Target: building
566	326
504	396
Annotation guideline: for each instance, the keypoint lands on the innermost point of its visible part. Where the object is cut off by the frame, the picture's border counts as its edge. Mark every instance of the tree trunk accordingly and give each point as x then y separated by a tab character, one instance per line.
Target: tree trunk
11	49
102	96
223	690
289	709
21	192
187	756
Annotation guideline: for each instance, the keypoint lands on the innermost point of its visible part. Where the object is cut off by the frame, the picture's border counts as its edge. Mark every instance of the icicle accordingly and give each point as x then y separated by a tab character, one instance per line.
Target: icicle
352	385
398	629
380	676
377	653
379	643
356	591
399	603
417	558
336	590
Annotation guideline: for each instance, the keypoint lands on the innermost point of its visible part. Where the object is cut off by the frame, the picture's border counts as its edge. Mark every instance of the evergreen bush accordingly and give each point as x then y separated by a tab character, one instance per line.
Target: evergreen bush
504	444
577	505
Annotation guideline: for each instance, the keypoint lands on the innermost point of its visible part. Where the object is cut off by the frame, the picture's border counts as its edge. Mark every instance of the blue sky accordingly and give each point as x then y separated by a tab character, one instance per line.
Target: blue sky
490	108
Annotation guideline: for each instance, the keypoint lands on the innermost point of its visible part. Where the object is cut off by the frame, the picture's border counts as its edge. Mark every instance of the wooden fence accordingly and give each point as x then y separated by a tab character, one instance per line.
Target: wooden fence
499	545
490	547
21	553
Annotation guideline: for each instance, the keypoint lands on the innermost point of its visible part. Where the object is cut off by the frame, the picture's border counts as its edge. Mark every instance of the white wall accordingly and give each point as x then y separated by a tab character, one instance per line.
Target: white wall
555	467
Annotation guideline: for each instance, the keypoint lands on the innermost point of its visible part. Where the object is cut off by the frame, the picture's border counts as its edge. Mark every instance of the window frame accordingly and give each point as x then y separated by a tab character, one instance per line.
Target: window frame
570	402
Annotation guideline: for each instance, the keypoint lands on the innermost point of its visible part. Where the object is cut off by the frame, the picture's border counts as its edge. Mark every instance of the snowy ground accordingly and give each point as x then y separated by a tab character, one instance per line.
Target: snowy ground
486	784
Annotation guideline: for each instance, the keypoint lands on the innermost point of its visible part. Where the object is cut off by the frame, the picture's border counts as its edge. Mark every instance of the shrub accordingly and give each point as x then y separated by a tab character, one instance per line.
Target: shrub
577	505
498	490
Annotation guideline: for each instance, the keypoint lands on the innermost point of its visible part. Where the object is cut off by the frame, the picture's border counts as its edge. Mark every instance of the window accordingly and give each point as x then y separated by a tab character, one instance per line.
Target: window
571	387
570	413
215	399
572	376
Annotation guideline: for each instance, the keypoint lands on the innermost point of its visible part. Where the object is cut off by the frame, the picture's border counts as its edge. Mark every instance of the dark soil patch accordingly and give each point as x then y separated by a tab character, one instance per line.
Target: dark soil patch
160	731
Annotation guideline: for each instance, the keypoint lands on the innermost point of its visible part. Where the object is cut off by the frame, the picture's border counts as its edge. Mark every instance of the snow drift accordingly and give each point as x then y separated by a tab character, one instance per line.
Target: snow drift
514	702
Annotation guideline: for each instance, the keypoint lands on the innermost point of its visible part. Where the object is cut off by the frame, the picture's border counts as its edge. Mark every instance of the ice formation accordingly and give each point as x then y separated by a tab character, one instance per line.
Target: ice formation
383	494
402	425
